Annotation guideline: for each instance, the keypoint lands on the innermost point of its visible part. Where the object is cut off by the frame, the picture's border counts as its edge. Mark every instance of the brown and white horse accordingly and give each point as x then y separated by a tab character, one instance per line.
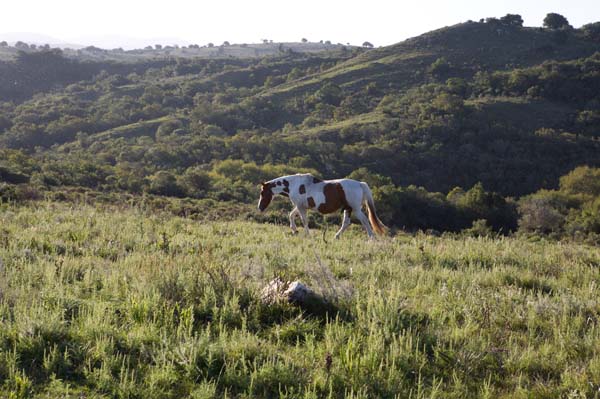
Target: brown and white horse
308	192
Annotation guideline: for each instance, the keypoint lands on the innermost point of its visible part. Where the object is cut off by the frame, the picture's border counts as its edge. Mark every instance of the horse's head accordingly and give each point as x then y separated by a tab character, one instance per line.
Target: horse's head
266	195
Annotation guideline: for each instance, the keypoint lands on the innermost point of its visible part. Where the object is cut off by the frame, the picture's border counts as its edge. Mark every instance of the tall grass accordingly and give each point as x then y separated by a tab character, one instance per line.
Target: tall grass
119	303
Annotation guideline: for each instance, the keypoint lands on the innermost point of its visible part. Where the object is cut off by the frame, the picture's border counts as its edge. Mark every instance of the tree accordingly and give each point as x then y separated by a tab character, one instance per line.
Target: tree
590	31
3	44
196	182
440	67
374	180
304	40
330	93
555	21
512	20
589	122
367	45
226	43
158	46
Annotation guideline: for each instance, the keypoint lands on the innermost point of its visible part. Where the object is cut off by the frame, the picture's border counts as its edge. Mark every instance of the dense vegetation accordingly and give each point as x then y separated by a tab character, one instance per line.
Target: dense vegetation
165	307
451	126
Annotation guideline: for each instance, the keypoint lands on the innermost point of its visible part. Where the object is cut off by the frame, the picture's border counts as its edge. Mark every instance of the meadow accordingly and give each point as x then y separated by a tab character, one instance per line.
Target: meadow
118	302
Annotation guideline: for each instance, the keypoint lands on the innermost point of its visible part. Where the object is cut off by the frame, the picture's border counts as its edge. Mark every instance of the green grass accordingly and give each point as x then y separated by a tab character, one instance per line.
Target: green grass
115	302
141	128
365	119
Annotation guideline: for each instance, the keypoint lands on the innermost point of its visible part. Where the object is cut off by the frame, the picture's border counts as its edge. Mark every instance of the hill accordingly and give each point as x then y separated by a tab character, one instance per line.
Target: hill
147	53
493	102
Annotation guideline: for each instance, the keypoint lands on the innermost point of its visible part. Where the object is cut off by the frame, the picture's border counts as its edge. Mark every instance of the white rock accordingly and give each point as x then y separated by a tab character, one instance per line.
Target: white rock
297	292
279	290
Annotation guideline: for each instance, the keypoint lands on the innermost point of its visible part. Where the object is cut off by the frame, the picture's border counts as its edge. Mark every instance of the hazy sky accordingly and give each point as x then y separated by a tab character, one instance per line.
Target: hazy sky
380	22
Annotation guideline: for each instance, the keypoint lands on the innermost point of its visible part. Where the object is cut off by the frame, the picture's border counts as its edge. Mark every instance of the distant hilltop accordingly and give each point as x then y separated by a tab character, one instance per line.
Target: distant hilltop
11	43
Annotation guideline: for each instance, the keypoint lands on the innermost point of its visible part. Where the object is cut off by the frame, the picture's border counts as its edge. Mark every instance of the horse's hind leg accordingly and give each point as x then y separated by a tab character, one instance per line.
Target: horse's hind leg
345	224
364	220
302	213
293	214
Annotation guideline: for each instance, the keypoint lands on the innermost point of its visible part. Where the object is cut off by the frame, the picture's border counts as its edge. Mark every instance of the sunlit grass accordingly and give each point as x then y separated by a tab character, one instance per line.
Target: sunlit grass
119	303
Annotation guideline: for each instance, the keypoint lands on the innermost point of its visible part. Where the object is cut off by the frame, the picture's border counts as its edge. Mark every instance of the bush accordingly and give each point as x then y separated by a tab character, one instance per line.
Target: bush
10	176
539	216
165	183
480	228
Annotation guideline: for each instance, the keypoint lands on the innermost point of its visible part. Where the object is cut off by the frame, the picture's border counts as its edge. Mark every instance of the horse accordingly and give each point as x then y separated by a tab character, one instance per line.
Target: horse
326	196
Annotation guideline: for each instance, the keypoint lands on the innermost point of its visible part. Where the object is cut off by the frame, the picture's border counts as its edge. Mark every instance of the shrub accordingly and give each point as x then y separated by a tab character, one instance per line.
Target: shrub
165	183
543	212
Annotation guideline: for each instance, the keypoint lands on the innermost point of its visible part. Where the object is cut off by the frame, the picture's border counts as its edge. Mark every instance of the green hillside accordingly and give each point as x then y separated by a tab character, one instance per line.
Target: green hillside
490	102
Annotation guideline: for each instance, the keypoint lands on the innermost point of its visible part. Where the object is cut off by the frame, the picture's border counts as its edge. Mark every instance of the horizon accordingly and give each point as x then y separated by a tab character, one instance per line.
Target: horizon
136	25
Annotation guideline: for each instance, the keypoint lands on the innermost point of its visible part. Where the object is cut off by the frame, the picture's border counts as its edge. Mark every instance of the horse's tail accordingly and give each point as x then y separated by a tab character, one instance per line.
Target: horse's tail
377	225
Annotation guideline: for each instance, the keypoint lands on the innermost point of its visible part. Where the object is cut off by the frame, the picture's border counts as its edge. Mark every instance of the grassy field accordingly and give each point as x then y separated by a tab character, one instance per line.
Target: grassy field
118	303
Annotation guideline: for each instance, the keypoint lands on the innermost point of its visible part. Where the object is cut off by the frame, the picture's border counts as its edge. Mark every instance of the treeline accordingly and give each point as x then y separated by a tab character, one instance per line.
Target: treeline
572	211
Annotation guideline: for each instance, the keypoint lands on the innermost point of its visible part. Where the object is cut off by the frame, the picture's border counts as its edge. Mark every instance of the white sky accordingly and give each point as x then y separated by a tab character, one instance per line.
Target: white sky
197	21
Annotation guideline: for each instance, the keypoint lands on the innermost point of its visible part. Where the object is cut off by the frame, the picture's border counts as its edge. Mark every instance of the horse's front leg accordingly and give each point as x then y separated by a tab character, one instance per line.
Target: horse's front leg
293	214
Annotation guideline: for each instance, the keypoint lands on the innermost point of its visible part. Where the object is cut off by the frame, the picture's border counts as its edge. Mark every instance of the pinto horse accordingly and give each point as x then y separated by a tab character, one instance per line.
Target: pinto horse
326	196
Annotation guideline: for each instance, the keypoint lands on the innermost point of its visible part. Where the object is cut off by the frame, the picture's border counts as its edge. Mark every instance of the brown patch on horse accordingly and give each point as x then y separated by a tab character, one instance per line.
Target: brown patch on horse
317	180
335	198
302	189
311	202
278	183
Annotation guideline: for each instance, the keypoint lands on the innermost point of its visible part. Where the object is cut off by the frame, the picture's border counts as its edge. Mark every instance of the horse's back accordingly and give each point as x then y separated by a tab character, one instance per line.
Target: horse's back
352	190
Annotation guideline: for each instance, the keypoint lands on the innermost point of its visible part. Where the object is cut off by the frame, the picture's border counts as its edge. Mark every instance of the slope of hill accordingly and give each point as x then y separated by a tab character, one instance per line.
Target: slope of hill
468	48
508	106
